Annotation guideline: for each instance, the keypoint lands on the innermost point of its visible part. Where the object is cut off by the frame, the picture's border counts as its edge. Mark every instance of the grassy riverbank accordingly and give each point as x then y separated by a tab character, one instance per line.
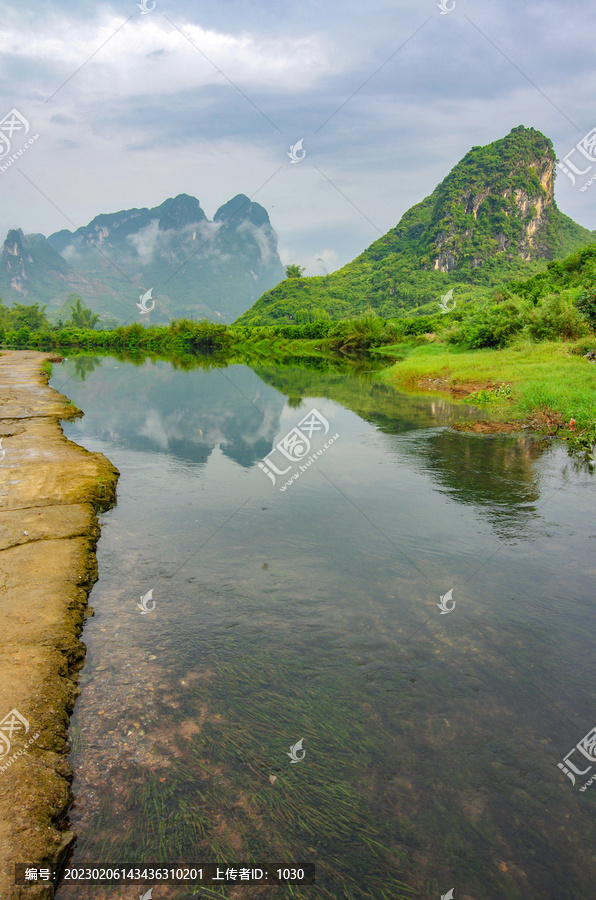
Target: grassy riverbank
550	382
520	349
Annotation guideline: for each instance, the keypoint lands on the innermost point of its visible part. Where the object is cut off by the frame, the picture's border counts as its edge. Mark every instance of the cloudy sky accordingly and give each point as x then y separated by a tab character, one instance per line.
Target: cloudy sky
207	99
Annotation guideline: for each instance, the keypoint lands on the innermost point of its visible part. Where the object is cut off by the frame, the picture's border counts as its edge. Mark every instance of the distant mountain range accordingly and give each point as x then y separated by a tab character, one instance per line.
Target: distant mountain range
194	267
492	219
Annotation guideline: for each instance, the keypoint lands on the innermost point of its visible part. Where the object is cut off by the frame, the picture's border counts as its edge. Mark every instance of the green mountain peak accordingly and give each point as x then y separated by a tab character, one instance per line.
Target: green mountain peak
493	217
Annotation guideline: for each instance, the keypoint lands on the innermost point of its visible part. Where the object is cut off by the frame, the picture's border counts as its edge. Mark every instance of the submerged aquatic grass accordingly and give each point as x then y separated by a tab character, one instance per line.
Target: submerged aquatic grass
215	802
427	762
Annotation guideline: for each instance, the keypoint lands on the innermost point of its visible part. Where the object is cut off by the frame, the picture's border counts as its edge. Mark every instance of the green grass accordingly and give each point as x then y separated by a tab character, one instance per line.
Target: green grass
545	376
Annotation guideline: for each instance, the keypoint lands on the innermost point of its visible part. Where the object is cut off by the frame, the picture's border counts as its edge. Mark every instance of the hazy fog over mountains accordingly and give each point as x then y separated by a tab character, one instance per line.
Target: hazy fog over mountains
195	267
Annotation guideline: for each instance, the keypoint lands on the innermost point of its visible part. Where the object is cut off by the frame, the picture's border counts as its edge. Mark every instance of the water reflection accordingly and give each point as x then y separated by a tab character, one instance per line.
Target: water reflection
495	474
432	741
185	414
84	366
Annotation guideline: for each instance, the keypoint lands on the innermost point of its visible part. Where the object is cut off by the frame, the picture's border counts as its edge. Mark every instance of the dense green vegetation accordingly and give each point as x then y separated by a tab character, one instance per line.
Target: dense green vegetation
474	227
552	312
558	303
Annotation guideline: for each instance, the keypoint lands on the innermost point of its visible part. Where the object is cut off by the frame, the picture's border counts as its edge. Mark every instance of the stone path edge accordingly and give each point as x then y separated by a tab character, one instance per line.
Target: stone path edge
50	493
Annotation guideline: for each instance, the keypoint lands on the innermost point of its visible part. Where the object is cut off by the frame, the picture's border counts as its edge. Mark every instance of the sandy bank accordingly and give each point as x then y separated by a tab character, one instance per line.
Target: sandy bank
50	490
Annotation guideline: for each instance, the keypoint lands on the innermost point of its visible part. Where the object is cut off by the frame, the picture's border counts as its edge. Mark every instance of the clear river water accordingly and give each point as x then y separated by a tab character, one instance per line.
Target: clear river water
376	669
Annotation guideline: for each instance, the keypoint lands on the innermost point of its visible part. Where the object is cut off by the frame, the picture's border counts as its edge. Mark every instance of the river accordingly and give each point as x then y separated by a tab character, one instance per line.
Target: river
375	667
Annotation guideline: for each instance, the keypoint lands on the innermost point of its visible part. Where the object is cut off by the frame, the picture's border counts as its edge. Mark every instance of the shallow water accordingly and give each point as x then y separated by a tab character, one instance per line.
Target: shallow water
432	740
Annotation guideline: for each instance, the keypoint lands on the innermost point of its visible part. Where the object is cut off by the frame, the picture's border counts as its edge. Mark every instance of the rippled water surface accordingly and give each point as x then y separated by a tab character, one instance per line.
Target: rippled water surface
311	614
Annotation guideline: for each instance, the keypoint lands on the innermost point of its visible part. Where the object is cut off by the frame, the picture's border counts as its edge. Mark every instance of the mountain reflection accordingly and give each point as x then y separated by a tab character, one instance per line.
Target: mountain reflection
187	414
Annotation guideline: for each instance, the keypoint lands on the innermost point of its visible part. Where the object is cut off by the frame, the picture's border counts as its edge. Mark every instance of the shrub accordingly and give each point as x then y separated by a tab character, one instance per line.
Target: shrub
556	317
22	336
491	325
586	304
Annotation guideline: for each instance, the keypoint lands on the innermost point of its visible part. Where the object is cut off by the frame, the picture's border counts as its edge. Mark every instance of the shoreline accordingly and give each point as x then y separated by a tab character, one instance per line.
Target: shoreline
51	490
548	388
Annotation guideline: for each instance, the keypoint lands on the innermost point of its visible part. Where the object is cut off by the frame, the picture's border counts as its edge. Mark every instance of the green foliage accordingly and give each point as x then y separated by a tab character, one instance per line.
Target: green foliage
555	317
30	317
586	304
294	271
357	334
473	227
583	442
22	336
557	304
490	324
18	317
486	397
82	316
180	337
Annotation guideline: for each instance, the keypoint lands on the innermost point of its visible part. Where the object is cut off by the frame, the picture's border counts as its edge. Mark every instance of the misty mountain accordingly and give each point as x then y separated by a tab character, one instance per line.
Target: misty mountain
194	266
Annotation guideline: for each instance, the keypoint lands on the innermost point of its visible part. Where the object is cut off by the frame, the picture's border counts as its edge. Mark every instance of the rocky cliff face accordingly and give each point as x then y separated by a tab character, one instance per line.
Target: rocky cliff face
493	218
15	260
194	267
506	207
25	262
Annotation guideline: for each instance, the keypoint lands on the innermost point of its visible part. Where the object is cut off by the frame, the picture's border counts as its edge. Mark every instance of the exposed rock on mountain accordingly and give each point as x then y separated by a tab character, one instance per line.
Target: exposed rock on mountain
493	218
195	267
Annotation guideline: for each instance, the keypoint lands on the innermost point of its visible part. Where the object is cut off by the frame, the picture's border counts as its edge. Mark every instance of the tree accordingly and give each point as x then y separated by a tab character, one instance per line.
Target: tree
294	271
31	317
586	304
82	316
4	316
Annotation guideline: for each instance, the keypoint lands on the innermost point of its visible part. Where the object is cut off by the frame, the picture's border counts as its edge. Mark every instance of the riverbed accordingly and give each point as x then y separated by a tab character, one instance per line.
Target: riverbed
373	662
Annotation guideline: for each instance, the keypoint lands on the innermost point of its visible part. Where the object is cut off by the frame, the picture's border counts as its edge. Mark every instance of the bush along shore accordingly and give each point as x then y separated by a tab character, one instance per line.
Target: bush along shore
523	349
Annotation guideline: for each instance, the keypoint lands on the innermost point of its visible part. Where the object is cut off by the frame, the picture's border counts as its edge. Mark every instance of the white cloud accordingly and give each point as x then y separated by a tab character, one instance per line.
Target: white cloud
263	238
145	241
321	262
154	57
